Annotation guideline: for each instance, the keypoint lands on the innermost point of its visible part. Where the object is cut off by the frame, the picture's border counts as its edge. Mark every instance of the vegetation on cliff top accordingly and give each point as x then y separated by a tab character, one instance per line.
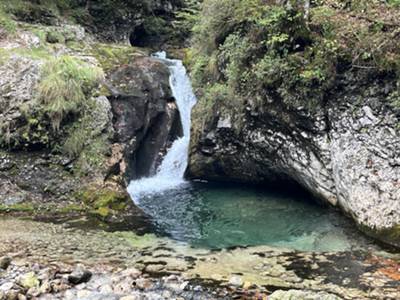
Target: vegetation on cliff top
110	20
66	86
260	52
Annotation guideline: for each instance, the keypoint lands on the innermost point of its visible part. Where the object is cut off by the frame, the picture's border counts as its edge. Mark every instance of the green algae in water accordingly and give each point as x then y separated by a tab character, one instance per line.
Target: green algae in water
219	216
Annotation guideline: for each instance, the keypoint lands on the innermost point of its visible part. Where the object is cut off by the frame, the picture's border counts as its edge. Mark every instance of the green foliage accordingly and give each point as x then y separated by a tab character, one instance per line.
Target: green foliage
65	87
394	97
235	61
7	24
267	53
395	3
186	17
154	25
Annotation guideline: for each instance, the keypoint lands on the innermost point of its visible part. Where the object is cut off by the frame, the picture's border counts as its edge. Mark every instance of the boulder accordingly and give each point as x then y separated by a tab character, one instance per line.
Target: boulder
146	118
346	152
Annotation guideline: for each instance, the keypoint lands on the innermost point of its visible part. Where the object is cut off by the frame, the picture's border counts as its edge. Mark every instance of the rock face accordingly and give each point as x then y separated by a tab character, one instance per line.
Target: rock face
140	21
146	118
119	137
346	152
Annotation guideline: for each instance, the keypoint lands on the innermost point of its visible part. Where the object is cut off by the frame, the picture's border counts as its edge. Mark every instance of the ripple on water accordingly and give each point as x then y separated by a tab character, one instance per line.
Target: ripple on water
222	216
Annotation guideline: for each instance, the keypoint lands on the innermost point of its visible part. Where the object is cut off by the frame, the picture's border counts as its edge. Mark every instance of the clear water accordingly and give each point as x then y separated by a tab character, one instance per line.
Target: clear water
218	216
222	216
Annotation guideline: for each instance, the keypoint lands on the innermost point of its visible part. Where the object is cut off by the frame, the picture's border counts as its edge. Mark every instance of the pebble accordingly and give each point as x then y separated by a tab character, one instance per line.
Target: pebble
5	262
5	287
79	275
143	283
236	281
131	297
83	294
106	289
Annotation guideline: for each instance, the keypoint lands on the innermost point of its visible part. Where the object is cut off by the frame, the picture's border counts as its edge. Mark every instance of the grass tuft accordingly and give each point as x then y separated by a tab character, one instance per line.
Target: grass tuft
66	85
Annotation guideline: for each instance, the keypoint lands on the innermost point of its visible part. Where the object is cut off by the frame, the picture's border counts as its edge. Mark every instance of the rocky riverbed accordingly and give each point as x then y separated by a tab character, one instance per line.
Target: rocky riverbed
54	261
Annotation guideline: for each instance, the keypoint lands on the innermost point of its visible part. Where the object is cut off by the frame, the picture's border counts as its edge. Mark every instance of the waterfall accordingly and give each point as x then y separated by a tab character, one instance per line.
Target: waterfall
171	171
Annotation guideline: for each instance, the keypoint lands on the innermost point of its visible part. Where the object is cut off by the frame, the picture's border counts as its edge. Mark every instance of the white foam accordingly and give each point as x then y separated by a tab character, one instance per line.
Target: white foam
170	174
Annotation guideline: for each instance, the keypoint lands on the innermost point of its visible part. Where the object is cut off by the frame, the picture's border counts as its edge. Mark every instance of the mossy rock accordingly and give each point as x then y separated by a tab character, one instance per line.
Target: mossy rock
30	280
390	235
112	56
54	37
103	201
18	207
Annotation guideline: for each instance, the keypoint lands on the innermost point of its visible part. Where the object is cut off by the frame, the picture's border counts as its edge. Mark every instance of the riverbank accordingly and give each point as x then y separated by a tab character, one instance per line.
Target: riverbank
197	273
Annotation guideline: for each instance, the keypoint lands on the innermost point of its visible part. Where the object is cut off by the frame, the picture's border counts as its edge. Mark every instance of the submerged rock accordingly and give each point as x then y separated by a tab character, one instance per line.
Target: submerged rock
302	295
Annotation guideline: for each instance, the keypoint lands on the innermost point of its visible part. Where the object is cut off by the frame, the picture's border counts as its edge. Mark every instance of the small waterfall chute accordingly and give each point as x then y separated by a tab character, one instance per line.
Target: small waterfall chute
170	174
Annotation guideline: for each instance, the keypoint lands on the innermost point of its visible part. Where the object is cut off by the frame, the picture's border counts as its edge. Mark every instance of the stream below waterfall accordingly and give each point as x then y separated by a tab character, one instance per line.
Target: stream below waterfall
220	216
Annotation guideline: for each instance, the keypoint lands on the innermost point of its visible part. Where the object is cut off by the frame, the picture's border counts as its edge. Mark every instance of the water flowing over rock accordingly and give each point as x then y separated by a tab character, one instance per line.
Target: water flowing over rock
170	172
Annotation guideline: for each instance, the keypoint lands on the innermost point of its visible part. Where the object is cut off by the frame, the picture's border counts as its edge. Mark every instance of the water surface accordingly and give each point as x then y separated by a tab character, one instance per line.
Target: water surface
222	216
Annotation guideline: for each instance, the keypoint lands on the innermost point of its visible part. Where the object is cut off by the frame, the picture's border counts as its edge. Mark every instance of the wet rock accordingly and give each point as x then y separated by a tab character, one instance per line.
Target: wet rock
12	295
143	283
302	295
154	268
79	275
5	261
106	289
146	116
84	294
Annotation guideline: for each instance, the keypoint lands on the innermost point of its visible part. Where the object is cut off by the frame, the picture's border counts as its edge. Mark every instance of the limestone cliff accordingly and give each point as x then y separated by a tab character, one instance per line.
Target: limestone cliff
284	97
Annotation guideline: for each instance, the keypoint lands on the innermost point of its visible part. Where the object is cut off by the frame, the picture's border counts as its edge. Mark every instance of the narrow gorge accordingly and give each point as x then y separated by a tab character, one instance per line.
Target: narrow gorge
199	149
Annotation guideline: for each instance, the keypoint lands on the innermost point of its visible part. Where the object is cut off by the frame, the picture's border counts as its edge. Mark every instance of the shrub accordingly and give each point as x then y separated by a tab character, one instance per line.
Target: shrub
7	25
54	37
276	53
65	87
186	17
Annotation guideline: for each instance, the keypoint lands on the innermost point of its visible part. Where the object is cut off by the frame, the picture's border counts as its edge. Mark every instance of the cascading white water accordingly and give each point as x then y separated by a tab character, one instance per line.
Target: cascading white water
171	171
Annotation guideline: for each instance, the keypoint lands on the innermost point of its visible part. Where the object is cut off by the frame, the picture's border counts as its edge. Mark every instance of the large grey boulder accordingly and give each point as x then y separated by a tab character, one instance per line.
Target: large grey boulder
346	152
146	118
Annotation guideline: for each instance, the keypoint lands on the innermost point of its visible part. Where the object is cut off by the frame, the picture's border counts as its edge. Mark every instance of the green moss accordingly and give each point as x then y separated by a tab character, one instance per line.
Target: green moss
54	37
103	201
390	236
19	207
6	22
113	56
71	208
144	241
